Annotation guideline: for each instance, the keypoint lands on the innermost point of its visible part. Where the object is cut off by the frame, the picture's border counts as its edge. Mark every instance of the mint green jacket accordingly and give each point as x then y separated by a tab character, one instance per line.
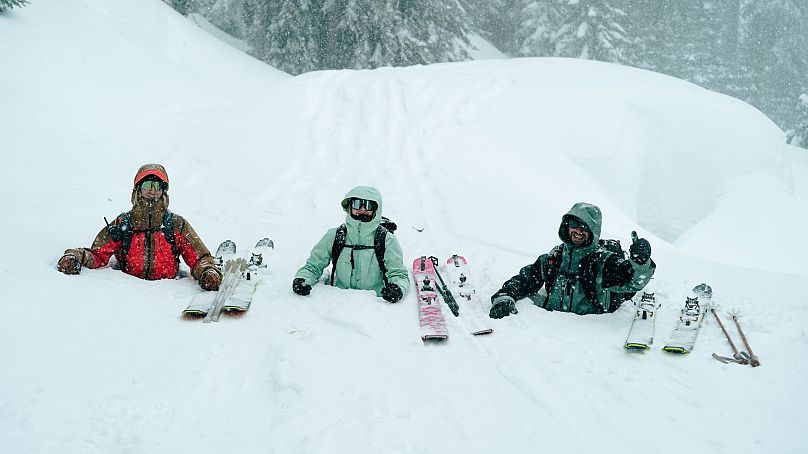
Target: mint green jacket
358	269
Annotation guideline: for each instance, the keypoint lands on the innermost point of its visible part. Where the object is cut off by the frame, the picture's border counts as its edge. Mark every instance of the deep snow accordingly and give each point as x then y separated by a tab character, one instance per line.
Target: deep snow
484	156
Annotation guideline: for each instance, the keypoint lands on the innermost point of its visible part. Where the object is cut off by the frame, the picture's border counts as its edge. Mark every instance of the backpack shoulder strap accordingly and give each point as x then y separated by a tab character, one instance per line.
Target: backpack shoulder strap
126	237
168	232
336	249
379	247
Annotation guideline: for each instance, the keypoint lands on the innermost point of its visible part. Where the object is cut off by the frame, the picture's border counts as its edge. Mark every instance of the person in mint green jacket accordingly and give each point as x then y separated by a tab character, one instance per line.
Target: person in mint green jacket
584	274
370	259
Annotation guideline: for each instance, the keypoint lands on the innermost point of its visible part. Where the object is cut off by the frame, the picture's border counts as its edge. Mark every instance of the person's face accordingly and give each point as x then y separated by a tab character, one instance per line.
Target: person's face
363	209
151	190
579	236
579	232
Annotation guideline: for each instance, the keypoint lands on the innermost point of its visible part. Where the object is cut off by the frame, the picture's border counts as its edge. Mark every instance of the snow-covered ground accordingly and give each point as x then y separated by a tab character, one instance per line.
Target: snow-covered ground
484	156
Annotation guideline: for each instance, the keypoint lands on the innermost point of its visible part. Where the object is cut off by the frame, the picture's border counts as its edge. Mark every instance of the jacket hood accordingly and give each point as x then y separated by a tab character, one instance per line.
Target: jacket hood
145	171
151	169
589	214
367	193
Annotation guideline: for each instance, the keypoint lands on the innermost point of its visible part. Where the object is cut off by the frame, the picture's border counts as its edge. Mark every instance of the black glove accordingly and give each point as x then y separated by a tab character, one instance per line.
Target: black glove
300	286
392	292
640	250
503	306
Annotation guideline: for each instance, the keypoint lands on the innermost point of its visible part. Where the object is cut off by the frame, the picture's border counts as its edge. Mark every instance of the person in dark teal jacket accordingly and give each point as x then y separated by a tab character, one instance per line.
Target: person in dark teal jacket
580	275
357	266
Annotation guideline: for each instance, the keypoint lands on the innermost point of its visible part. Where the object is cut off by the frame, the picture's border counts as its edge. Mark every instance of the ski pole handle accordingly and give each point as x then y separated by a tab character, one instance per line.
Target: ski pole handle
634	236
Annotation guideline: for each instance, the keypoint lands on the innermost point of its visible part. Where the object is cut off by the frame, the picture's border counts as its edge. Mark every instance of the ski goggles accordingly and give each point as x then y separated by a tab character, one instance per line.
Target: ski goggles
370	205
576	223
152	185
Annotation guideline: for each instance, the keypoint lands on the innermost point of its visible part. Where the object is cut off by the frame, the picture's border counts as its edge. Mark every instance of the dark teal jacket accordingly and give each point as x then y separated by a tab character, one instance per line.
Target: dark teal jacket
584	279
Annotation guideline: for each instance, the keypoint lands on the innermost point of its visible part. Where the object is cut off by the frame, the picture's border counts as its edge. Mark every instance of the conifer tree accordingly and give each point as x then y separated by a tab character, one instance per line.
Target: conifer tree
285	34
8	4
590	29
801	130
537	20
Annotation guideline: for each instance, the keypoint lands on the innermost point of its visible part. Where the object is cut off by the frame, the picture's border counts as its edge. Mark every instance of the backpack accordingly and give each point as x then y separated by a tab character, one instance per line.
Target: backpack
589	272
378	246
123	232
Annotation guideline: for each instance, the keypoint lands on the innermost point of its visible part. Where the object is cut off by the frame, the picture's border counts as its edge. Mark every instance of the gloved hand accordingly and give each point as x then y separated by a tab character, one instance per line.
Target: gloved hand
503	306
392	292
640	250
210	280
69	264
300	286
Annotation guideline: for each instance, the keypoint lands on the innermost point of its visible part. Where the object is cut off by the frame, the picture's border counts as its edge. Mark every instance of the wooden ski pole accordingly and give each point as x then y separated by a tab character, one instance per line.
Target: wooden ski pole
752	358
735	353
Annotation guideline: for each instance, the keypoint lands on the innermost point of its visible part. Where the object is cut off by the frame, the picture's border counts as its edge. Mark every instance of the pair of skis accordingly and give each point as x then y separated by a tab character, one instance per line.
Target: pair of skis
239	281
739	357
431	288
683	338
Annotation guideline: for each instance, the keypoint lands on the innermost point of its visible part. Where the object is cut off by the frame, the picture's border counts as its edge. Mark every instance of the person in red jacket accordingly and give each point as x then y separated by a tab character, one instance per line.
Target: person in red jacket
148	240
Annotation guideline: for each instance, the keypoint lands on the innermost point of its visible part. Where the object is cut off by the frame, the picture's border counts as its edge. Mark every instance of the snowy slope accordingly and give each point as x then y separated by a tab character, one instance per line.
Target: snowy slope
483	156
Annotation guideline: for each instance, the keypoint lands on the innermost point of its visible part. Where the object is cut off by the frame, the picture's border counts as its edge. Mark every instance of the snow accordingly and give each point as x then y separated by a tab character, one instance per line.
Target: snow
484	156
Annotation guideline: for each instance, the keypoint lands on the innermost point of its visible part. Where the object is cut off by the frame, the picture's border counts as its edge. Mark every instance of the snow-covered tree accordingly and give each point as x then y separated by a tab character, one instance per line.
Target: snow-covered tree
775	39
495	21
536	24
286	34
801	131
590	29
8	4
303	35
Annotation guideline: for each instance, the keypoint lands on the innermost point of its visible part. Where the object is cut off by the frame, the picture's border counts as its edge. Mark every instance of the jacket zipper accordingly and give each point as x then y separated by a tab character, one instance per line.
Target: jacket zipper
570	289
353	263
148	245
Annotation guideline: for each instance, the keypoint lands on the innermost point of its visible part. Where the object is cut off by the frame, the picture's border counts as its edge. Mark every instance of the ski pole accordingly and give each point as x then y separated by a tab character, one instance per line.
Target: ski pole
444	290
752	358
735	353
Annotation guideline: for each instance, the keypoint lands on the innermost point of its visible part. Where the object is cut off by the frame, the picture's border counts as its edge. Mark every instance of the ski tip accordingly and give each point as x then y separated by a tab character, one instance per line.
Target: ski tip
226	247
457	260
703	290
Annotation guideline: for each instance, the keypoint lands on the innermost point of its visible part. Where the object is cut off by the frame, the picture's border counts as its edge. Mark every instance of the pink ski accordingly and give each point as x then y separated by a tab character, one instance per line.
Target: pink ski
433	325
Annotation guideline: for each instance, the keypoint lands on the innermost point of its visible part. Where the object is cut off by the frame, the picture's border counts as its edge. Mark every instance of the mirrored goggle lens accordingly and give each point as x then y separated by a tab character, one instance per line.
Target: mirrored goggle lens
149	185
369	205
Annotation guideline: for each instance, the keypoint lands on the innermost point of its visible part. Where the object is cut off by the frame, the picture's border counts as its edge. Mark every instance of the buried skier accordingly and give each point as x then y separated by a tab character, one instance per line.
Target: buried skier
583	275
148	240
361	252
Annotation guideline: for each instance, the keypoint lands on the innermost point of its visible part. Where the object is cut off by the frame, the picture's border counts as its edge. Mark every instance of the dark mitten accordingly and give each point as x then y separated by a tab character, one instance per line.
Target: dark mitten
69	264
300	286
210	280
503	306
640	250
392	292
